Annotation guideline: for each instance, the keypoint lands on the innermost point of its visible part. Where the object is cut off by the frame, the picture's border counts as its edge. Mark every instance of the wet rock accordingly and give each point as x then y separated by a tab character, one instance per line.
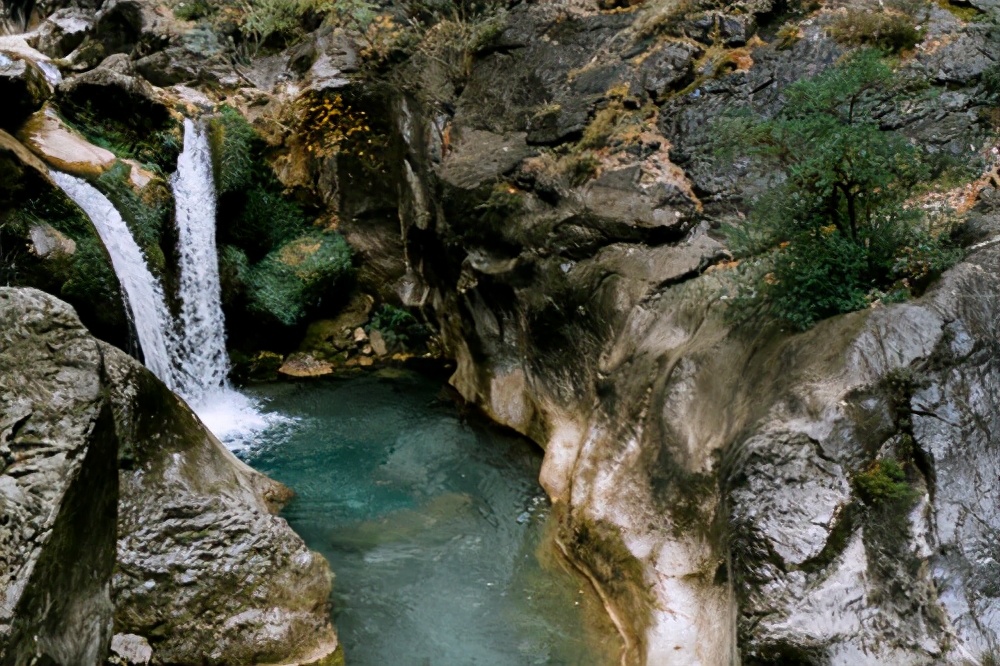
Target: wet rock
115	90
378	343
23	88
58	485
327	337
63	32
197	531
300	365
62	147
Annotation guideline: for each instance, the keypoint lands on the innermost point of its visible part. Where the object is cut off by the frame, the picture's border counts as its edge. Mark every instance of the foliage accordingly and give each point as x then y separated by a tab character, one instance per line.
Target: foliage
505	202
91	278
146	217
326	121
233	142
838	229
398	327
990	82
889	31
292	279
192	10
884	481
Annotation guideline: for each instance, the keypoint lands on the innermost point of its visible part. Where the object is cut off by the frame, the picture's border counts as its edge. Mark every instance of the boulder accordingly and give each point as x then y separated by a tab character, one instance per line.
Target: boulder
206	572
109	481
23	88
62	147
300	365
58	486
114	89
63	32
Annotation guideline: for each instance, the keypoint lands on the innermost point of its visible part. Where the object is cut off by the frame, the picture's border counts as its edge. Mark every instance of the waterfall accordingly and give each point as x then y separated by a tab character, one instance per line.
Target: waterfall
143	293
188	355
203	361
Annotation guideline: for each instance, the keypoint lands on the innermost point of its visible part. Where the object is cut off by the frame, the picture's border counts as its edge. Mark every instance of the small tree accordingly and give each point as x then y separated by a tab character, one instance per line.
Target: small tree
837	230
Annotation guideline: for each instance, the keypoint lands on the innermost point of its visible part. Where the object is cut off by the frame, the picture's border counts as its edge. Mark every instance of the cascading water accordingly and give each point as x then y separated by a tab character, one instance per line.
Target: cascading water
202	359
189	356
143	294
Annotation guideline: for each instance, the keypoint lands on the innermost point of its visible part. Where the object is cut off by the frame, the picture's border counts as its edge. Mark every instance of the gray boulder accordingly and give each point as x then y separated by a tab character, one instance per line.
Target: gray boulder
22	87
58	486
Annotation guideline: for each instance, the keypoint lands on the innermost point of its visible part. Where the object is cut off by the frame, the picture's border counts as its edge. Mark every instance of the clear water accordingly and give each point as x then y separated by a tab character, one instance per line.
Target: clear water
436	528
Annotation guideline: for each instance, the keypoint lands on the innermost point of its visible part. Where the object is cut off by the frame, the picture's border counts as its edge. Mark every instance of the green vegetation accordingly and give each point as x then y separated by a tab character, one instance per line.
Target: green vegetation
141	136
837	234
273	262
398	327
891	32
147	214
232	139
884	481
297	275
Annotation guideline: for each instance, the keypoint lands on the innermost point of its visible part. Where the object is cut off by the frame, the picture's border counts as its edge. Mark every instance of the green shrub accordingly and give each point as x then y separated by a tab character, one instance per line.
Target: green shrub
990	82
192	10
146	217
92	280
398	327
291	280
153	144
884	482
836	233
890	32
233	142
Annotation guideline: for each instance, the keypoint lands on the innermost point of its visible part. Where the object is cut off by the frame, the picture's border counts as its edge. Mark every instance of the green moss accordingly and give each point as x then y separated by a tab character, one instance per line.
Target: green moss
233	150
147	215
292	279
154	142
889	32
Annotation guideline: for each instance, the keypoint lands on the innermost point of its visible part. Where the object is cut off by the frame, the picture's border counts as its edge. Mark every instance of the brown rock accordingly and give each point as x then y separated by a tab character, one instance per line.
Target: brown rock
62	148
304	365
366	361
378	343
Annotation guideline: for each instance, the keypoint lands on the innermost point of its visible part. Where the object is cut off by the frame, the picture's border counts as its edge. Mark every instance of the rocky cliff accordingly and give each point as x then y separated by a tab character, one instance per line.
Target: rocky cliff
113	491
735	493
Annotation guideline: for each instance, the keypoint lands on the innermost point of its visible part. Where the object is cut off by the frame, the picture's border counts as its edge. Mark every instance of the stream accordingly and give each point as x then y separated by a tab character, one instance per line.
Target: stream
434	524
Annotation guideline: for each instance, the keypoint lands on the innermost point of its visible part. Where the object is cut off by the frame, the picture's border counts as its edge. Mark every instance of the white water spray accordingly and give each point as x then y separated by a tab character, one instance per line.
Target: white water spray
143	294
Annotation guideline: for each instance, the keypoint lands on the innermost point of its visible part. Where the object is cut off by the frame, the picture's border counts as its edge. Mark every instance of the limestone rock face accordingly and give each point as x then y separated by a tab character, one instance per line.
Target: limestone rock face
205	572
709	480
58	486
62	148
108	481
62	32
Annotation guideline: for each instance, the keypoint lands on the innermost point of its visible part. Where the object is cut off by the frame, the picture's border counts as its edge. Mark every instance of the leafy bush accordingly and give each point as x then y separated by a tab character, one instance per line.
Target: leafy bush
990	81
291	280
140	137
192	10
232	139
398	327
890	32
836	232
884	481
